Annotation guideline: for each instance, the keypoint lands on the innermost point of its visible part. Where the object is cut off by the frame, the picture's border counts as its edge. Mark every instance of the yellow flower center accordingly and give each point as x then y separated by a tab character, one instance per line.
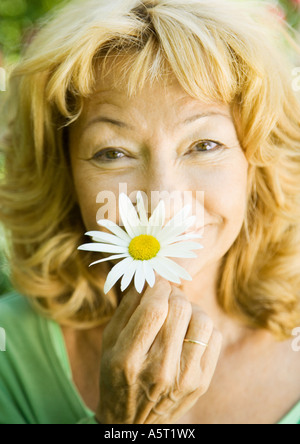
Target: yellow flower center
144	247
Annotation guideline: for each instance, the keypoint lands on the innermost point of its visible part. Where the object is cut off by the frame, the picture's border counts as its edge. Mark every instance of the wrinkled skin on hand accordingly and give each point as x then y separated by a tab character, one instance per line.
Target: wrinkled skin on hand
149	375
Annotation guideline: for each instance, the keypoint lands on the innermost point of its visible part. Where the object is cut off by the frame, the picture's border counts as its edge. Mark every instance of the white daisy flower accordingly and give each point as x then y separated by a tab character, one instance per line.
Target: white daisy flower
145	245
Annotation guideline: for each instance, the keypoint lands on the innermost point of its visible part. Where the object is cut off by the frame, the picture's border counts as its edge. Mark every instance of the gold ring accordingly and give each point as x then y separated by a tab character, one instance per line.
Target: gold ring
192	341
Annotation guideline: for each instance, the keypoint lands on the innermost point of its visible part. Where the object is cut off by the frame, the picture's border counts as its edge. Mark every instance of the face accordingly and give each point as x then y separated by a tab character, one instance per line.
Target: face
162	139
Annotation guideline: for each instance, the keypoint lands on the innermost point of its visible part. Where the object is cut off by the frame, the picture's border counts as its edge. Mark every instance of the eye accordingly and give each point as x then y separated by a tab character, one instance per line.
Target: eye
108	155
207	145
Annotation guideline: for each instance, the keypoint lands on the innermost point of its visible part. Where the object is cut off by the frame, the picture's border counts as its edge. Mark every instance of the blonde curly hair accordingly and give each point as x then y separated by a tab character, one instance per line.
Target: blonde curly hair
221	51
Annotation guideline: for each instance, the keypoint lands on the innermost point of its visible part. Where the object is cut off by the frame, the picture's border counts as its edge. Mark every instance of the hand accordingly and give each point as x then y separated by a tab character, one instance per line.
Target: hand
149	375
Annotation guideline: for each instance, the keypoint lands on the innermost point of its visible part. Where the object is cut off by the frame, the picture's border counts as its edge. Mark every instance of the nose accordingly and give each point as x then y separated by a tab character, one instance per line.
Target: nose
163	182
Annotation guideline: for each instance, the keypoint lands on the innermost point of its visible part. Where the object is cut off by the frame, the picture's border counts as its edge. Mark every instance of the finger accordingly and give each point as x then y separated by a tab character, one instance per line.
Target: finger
145	405
123	313
157	415
200	330
166	409
166	350
138	335
162	408
165	353
161	289
130	301
210	359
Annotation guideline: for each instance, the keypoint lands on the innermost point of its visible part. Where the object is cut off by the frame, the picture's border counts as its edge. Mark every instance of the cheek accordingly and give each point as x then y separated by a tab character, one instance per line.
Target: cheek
225	192
86	191
225	202
97	194
227	197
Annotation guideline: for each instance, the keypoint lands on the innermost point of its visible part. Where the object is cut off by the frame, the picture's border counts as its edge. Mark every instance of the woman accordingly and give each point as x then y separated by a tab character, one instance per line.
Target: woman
162	95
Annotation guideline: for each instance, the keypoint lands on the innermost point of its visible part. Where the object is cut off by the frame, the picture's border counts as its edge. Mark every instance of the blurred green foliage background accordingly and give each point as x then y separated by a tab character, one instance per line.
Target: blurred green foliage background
17	22
17	18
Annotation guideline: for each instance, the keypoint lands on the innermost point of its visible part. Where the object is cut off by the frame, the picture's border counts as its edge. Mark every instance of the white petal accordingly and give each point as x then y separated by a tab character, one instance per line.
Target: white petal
128	275
188	245
116	272
180	217
180	271
149	273
174	252
139	278
129	216
157	219
141	209
170	232
163	271
103	248
116	256
100	236
190	221
187	237
181	247
114	228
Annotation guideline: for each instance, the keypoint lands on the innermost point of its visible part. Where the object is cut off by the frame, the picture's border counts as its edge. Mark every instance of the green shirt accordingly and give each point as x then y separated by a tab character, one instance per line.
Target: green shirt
35	376
36	384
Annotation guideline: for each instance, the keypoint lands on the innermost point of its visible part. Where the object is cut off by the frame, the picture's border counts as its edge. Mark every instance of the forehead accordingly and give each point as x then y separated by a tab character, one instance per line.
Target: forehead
165	92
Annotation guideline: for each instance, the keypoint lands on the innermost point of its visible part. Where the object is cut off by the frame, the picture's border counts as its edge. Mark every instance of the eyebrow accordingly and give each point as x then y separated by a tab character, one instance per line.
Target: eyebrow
108	120
118	123
201	116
